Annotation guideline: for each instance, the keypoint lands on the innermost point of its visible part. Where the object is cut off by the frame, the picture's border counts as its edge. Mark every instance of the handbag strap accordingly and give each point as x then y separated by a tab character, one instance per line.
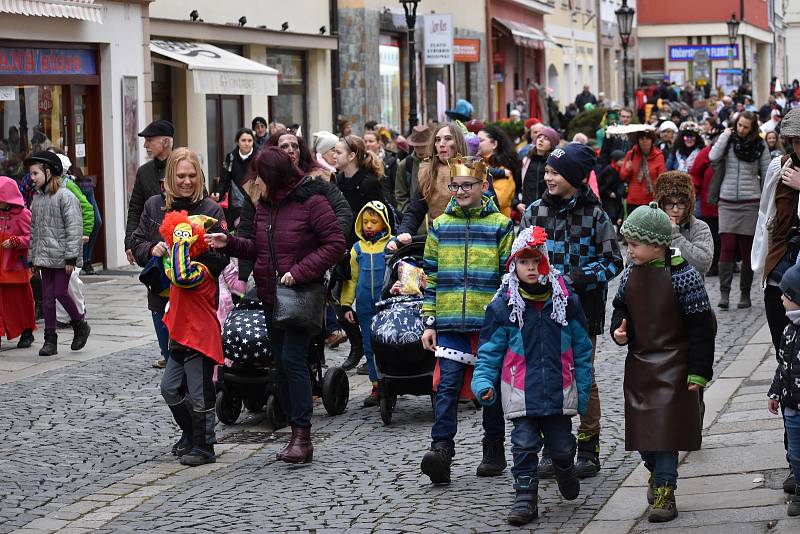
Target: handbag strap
271	235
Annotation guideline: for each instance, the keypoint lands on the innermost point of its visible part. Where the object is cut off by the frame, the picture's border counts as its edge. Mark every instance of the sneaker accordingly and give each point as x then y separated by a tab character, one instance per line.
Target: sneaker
159	364
664	508
546	471
372	399
586	467
199	455
335	339
363	369
436	465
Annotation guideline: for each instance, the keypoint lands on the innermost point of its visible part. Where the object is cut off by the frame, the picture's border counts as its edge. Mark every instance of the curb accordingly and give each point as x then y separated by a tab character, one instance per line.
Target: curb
626	505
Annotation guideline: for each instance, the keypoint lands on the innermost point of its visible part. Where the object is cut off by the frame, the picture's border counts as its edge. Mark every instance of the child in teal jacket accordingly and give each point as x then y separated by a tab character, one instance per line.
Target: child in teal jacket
535	340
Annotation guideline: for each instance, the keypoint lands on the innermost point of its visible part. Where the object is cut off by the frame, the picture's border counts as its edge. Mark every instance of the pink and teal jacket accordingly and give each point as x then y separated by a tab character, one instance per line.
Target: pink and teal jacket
544	368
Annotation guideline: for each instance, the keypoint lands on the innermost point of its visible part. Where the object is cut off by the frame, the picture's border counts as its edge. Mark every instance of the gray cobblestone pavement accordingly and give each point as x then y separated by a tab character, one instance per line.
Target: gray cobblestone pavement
86	447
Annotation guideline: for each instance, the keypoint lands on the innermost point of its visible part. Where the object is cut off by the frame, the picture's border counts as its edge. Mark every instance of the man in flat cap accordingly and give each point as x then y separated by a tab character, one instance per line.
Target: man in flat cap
158	144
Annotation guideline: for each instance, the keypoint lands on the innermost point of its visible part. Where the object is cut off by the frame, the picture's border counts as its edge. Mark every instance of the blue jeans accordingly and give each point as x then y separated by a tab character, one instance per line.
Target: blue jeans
555	431
161	333
445	425
792	425
663	465
331	322
290	351
365	320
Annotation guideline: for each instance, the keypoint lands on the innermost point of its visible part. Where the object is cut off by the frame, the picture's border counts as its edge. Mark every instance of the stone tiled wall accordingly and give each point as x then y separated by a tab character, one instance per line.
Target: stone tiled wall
359	62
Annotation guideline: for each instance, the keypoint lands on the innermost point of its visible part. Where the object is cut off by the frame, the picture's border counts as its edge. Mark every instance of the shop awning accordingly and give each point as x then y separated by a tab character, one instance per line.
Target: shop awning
65	9
217	71
525	35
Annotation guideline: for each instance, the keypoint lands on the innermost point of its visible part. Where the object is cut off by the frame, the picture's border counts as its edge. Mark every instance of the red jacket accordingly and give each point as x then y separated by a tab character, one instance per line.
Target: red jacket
637	192
14	223
307	238
702	173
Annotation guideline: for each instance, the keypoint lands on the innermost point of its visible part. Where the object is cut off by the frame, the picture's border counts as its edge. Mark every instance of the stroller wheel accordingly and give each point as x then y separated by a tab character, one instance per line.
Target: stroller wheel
275	414
387	405
253	405
228	407
335	391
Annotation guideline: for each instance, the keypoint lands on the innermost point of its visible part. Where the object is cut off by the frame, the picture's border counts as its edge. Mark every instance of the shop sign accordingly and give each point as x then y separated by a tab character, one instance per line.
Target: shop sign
701	66
438	39
715	52
32	61
467	50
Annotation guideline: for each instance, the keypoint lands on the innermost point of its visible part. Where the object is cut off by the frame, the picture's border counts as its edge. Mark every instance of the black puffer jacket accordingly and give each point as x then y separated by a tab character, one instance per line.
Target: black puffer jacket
147	236
786	383
234	174
359	189
147	184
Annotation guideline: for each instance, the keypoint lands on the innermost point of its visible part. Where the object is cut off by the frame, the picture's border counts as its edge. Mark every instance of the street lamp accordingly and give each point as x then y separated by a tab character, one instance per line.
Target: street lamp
733	33
410	7
625	25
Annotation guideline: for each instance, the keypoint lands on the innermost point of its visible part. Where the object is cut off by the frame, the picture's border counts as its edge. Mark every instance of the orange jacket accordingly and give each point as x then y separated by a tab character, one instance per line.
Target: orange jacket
637	191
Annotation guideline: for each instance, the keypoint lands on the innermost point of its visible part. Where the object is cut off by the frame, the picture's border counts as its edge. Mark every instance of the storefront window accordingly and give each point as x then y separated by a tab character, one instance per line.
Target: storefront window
289	106
31	120
390	81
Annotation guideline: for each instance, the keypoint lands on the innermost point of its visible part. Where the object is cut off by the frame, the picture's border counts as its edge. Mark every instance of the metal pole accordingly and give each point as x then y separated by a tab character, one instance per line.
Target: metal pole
411	22
625	73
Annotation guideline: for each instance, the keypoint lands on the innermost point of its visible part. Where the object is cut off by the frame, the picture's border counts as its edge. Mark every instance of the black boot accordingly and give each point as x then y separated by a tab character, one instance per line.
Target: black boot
526	507
26	339
81	329
50	346
789	484
494	459
545	471
436	464
725	279
745	283
356	353
568	483
793	509
588	462
202	452
184	419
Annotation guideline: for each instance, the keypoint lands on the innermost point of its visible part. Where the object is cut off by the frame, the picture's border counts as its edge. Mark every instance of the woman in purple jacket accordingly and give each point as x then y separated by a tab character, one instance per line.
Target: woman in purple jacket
292	211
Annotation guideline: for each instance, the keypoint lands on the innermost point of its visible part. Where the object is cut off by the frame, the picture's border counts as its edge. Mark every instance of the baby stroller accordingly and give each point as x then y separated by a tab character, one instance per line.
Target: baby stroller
249	376
403	366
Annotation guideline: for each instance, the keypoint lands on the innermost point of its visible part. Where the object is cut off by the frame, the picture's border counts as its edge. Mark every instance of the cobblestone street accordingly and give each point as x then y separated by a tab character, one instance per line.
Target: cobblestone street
86	447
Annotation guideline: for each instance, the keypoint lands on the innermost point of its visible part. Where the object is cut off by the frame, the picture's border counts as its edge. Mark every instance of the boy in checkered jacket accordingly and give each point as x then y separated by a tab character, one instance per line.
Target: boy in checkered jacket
583	245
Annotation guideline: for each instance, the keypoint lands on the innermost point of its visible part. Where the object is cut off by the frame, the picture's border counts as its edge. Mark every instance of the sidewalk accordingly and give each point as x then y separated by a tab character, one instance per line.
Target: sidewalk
116	308
732	485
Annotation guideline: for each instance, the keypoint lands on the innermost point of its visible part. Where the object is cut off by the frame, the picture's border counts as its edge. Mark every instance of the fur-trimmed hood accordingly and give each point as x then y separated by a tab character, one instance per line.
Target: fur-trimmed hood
675	184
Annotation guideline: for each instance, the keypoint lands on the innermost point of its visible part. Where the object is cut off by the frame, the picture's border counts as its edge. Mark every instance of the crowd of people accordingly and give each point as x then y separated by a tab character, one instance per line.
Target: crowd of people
522	240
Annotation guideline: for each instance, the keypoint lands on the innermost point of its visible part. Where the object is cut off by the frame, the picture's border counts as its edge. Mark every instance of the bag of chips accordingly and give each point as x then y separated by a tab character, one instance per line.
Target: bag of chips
411	278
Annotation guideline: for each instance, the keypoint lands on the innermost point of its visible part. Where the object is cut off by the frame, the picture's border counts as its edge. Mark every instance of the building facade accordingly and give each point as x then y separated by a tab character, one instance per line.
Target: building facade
610	53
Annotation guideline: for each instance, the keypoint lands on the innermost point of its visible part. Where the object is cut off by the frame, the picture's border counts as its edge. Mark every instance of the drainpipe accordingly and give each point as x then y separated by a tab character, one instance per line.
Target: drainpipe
489	59
336	91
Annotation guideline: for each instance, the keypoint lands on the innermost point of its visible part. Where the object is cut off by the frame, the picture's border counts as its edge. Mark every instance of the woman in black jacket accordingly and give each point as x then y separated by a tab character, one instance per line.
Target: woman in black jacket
147	243
234	175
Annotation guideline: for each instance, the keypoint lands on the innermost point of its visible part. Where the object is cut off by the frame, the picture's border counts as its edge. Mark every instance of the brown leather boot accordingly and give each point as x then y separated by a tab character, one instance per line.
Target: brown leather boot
289	446
300	450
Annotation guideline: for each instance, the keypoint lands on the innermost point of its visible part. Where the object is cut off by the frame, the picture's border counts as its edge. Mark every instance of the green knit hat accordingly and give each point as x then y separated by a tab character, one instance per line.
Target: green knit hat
648	224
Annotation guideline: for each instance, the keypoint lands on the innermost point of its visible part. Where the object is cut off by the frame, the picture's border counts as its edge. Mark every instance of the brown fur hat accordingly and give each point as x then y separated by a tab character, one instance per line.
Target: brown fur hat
675	184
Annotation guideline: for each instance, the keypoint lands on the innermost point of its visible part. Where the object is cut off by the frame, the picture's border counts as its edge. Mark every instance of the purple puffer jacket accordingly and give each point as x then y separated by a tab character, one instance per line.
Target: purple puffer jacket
308	238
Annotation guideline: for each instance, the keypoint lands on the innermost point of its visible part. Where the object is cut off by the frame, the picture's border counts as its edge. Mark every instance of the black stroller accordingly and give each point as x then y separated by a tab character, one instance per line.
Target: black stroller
403	366
249	376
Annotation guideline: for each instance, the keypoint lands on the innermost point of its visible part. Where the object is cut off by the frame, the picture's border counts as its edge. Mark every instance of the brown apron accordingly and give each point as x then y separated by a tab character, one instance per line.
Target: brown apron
661	414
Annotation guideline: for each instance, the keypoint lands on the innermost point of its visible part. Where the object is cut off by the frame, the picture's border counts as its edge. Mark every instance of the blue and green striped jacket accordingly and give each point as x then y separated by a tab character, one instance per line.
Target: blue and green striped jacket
465	258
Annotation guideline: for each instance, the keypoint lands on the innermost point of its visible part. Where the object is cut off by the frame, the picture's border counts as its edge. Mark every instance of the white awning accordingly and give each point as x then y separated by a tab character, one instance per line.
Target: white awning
217	71
525	35
65	9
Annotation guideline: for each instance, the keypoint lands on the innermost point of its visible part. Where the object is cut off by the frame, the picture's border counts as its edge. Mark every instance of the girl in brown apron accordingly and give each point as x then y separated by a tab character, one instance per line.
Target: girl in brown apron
662	312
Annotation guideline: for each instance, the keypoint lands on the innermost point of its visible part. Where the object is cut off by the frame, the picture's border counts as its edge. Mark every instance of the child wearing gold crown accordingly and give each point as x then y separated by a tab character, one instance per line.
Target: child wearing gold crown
195	341
535	341
465	256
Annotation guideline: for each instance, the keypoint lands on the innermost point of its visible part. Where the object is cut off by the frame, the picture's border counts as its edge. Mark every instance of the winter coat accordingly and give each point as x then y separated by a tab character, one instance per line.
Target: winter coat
305	235
702	173
14	223
637	192
465	257
608	183
87	210
406	182
233	177
147	184
696	244
55	230
503	185
533	185
367	267
359	189
581	239
610	144
229	285
786	382
544	368
147	236
743	179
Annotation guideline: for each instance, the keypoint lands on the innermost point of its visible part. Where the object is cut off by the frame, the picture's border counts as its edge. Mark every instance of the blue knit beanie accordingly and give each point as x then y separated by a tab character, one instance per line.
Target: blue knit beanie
574	162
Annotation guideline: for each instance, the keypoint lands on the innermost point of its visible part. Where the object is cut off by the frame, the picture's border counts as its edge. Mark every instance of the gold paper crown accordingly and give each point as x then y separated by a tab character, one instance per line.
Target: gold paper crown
467	166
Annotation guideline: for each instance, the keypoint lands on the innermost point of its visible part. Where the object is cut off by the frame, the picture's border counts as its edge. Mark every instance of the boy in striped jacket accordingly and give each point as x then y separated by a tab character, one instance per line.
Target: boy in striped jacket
465	257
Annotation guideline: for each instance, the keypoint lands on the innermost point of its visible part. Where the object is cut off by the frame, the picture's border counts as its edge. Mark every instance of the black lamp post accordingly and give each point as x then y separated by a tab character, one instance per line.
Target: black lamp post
733	33
625	25
410	7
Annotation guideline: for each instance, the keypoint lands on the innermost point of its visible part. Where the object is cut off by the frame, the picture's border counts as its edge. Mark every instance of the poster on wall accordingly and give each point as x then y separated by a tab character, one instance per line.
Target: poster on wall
438	39
130	129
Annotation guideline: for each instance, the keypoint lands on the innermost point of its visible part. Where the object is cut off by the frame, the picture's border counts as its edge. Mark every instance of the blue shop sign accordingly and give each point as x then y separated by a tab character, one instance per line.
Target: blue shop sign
715	52
53	61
